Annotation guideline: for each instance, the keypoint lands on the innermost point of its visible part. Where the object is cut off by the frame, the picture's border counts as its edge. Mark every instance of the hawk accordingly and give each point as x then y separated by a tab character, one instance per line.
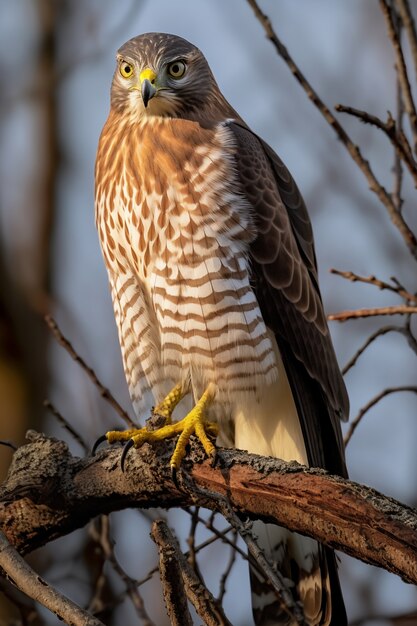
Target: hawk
213	274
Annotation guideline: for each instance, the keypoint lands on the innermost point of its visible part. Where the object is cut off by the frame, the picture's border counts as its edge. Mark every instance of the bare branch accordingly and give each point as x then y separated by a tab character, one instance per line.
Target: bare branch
192	554
101	534
401	69
343	316
222	535
217	535
104	392
395	134
228	570
8	444
171	575
378	333
412	340
65	424
49	493
404	11
30	583
398	166
201	598
386	392
363	164
373	280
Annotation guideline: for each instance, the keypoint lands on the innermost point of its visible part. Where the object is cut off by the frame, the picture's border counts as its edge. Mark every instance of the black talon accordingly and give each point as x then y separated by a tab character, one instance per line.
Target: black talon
215	460
174	476
99	441
129	444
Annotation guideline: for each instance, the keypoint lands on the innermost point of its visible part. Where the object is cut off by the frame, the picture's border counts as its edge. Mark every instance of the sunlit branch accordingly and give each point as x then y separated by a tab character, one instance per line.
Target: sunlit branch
343	316
104	392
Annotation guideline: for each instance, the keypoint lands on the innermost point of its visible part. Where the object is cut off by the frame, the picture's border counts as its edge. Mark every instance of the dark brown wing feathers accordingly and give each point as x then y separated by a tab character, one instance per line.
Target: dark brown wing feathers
284	273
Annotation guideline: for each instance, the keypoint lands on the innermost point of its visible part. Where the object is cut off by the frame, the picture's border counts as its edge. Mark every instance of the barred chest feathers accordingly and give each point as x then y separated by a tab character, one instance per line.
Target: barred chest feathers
176	245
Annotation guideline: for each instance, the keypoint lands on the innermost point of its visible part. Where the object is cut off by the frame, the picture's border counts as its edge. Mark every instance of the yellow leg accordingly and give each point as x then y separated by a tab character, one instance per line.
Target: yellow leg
168	404
192	424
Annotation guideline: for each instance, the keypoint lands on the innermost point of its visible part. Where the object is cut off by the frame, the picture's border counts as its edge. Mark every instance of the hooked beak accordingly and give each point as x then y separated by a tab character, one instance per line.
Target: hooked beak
147	85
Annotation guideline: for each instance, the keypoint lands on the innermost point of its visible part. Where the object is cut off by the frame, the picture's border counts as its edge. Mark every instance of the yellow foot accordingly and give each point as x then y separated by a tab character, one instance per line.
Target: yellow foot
192	424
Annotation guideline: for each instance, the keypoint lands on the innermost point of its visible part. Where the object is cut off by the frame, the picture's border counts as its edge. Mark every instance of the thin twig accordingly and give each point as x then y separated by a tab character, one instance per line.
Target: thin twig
104	392
101	599
398	166
65	424
412	340
8	444
343	316
393	131
30	583
191	537
378	333
403	9
398	182
222	535
381	284
203	601
401	69
386	392
101	534
225	576
386	199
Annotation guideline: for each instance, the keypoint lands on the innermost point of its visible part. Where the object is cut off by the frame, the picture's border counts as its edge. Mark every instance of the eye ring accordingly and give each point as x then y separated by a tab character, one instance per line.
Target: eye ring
176	69
126	69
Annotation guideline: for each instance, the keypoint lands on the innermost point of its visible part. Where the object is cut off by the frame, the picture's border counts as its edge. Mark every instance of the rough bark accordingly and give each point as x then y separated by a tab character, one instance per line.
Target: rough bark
49	493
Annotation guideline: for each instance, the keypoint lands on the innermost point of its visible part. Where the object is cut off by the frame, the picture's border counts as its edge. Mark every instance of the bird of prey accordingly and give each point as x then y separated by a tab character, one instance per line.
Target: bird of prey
211	262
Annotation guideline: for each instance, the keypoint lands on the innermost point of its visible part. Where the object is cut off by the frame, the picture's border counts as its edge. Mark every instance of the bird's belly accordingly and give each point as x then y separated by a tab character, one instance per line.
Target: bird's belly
211	327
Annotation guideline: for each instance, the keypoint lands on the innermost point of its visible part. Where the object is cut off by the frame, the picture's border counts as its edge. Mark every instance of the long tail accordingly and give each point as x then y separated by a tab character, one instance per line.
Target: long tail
270	426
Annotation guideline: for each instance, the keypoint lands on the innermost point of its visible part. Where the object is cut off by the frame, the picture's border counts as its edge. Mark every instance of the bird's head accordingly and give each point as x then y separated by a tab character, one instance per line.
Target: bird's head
161	74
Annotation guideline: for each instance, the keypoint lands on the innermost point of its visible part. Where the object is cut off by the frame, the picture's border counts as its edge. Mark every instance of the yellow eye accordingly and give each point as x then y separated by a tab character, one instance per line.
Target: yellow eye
176	69
126	69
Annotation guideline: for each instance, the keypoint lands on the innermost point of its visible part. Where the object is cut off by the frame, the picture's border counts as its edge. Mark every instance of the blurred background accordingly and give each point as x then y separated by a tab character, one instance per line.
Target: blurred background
56	65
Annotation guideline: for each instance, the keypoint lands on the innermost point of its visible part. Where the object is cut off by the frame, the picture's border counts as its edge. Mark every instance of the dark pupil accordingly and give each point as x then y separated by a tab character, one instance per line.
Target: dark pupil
175	68
127	69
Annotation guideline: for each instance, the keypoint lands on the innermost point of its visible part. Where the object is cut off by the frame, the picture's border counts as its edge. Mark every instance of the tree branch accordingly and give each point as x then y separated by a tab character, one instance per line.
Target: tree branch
182	576
378	333
100	533
401	68
404	11
369	405
171	575
30	583
400	309
48	493
104	392
377	282
352	148
392	130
